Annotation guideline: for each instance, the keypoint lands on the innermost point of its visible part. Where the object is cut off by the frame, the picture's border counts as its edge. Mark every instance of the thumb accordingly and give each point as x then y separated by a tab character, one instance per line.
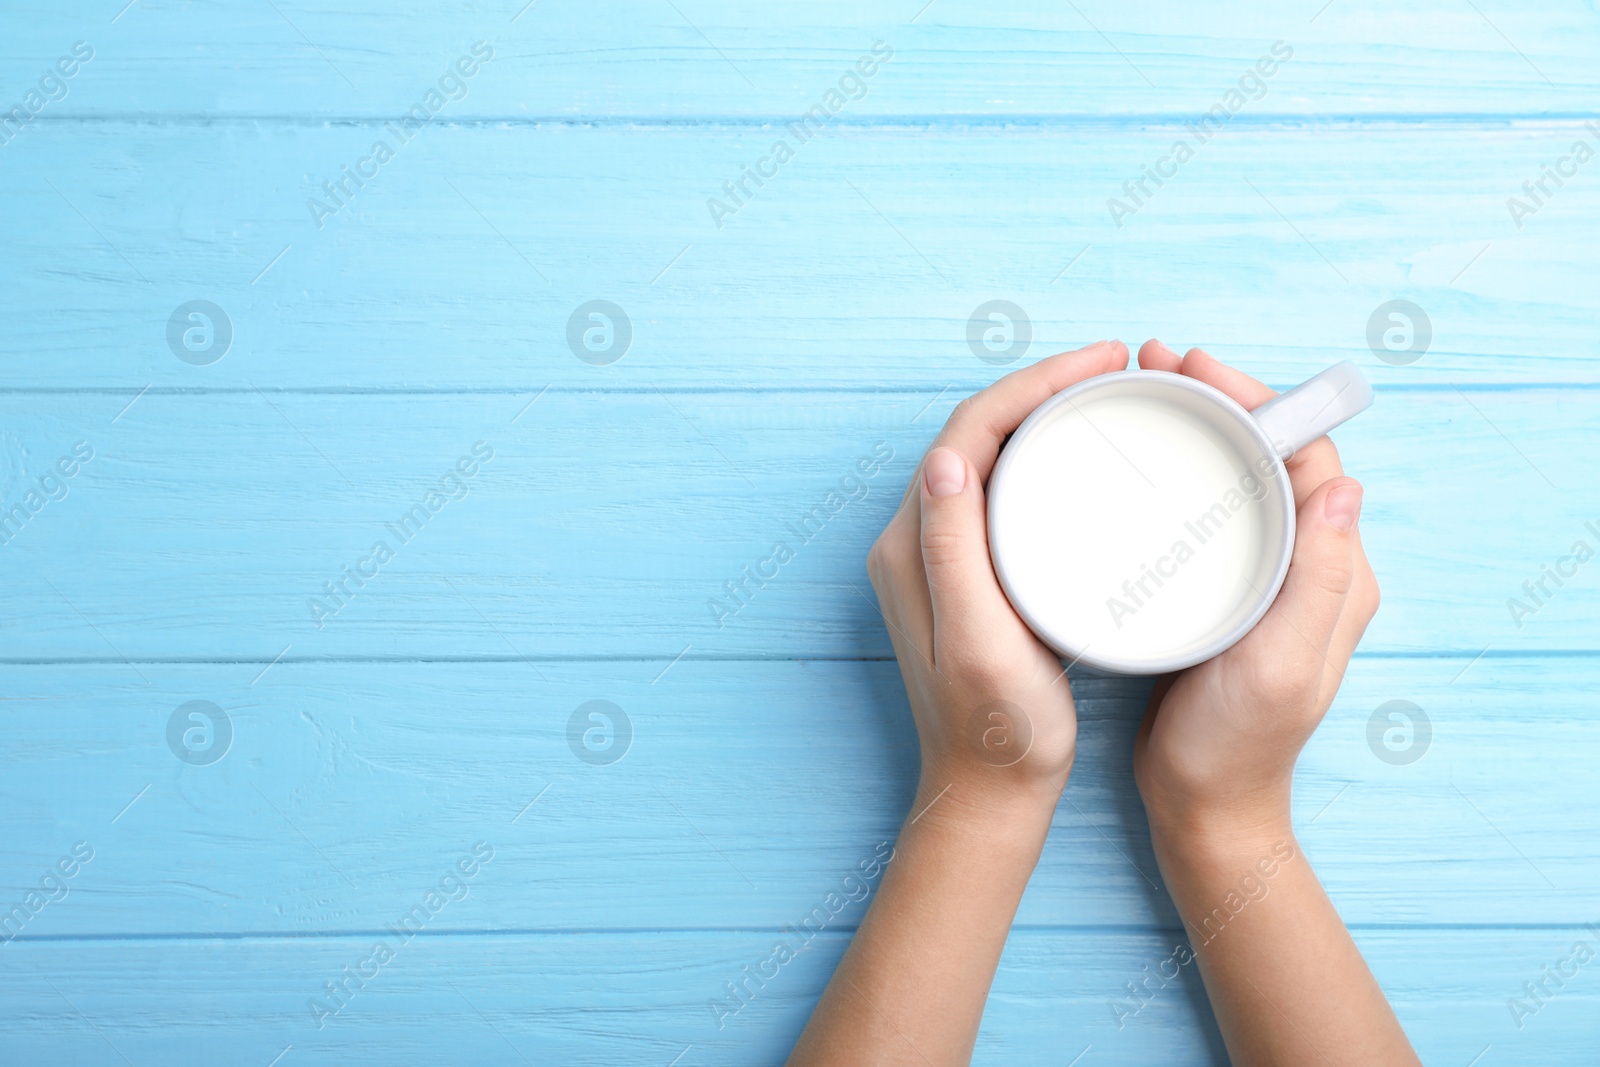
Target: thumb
1301	623
955	550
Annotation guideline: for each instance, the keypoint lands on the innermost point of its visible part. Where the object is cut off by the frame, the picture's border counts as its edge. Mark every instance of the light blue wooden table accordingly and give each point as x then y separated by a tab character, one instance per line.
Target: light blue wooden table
395	746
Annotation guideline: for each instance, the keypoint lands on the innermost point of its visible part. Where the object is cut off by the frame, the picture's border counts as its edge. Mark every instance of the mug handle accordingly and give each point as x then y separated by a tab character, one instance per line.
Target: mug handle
1294	419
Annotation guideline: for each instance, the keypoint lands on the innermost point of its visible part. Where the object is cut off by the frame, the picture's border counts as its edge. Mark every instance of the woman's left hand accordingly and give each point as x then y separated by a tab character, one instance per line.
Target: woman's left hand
993	709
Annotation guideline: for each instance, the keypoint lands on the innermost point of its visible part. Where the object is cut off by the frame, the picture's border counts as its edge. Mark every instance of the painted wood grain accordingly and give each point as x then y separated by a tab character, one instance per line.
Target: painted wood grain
709	57
747	792
236	525
859	265
645	998
431	714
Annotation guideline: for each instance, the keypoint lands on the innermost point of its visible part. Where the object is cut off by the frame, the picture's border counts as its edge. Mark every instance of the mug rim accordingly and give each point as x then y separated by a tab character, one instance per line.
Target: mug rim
1221	642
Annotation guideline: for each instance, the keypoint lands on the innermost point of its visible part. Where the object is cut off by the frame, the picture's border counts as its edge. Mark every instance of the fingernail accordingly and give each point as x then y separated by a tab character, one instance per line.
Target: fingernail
1343	505
945	473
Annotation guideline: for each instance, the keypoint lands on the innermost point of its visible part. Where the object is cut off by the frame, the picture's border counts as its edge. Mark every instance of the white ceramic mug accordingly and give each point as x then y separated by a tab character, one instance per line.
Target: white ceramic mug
1142	522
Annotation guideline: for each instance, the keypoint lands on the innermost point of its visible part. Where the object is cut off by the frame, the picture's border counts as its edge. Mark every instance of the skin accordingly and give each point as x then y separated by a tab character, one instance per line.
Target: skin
1214	763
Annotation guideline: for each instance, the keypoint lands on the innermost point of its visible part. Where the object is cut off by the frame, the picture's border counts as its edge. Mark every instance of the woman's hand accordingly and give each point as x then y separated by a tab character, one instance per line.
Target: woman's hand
998	733
992	705
1214	761
1219	742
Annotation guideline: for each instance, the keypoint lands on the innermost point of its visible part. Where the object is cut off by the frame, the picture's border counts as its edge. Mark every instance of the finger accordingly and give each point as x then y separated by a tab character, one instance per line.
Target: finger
895	566
1359	608
982	422
968	606
1153	355
1309	467
1299	629
1203	366
1056	372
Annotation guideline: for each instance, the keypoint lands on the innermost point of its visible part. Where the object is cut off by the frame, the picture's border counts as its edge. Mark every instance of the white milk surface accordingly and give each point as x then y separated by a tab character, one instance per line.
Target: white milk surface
1130	527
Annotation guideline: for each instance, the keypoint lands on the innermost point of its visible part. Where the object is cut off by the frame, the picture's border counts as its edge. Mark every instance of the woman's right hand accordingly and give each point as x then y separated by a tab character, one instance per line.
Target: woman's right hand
1219	741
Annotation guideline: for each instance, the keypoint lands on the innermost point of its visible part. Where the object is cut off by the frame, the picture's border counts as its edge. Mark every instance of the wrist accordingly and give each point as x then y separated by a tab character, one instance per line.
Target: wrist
1213	817
1214	877
977	815
1204	838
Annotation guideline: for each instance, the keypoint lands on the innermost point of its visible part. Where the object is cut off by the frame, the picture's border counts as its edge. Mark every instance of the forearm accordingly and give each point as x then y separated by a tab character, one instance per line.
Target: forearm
912	986
1286	981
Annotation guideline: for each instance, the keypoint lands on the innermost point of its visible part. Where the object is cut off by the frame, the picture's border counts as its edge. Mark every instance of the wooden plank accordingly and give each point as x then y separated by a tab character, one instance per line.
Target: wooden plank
644	997
704	57
748	791
465	262
612	524
771	755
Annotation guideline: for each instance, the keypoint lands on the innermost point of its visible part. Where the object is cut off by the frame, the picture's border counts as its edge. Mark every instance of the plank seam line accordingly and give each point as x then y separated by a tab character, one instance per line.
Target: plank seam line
696	390
664	931
1362	121
190	661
